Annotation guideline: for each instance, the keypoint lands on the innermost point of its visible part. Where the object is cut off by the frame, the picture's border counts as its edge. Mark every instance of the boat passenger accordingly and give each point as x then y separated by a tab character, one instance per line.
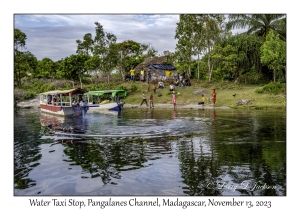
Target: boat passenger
81	101
73	102
54	101
49	99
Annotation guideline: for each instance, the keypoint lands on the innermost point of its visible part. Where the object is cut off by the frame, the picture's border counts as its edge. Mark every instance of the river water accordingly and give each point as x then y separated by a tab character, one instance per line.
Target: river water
210	152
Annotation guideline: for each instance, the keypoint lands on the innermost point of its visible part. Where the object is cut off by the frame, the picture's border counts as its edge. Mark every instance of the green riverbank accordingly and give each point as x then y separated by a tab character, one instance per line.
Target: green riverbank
229	94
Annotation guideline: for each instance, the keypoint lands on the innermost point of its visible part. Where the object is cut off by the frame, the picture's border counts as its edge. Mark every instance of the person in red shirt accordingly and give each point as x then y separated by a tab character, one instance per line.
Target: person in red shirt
214	96
174	99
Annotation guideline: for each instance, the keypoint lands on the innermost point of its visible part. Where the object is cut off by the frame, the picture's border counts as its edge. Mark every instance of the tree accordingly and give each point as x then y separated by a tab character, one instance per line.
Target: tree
85	46
259	24
131	55
226	61
273	53
45	68
197	34
24	65
111	55
107	54
73	67
152	52
239	54
19	39
185	34
24	62
101	48
212	28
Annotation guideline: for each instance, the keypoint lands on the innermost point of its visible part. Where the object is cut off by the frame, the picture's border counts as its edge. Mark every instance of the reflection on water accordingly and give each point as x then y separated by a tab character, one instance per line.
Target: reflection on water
151	152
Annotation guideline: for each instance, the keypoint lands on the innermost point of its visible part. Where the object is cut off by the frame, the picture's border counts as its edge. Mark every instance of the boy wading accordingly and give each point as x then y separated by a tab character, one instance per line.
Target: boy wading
144	99
151	101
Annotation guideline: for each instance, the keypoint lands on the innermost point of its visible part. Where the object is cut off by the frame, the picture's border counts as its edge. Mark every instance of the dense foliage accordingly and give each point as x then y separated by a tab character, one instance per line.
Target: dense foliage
205	50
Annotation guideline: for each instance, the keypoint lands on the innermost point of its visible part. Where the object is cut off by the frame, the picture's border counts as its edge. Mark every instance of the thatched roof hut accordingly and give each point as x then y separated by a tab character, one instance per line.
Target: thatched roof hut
148	61
158	68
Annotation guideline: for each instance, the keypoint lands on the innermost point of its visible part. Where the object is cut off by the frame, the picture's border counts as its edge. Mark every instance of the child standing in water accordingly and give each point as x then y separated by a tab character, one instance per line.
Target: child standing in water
214	97
151	101
174	99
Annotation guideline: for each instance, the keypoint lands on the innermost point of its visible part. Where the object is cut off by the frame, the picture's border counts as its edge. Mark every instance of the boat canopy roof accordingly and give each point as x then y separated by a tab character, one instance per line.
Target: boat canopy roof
65	92
103	92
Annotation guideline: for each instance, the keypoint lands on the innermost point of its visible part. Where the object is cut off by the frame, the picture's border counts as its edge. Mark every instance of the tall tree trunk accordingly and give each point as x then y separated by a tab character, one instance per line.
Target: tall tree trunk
122	72
274	74
210	74
18	78
189	71
198	67
209	68
108	78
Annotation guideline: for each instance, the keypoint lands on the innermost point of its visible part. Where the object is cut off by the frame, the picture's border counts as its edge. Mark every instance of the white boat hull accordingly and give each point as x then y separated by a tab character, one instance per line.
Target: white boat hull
109	106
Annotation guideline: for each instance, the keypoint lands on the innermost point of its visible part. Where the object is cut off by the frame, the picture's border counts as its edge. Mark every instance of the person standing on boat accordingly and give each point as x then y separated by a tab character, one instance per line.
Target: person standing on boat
174	99
214	97
144	99
82	101
151	101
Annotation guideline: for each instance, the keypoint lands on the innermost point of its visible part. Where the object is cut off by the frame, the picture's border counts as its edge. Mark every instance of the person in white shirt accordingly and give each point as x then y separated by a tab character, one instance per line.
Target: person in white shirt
160	85
144	99
172	87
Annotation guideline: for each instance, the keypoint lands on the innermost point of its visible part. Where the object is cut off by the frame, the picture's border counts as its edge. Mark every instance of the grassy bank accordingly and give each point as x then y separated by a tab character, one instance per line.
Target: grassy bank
225	91
185	95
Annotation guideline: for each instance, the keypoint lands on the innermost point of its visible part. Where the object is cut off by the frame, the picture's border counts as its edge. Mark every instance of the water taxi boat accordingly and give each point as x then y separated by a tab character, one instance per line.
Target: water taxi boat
64	102
105	100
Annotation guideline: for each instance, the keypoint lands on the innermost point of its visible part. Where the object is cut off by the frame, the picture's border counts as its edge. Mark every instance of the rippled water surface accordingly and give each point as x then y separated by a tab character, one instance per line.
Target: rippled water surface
151	152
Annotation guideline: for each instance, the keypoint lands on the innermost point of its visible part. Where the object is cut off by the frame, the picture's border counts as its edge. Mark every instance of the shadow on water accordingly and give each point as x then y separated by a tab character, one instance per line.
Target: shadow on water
152	152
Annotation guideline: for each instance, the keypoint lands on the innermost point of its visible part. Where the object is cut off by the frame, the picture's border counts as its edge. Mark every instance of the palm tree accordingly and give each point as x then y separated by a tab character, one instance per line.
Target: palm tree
259	24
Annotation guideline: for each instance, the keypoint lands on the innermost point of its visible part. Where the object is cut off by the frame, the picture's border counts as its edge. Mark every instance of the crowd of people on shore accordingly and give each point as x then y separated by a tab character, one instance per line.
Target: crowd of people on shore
180	80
